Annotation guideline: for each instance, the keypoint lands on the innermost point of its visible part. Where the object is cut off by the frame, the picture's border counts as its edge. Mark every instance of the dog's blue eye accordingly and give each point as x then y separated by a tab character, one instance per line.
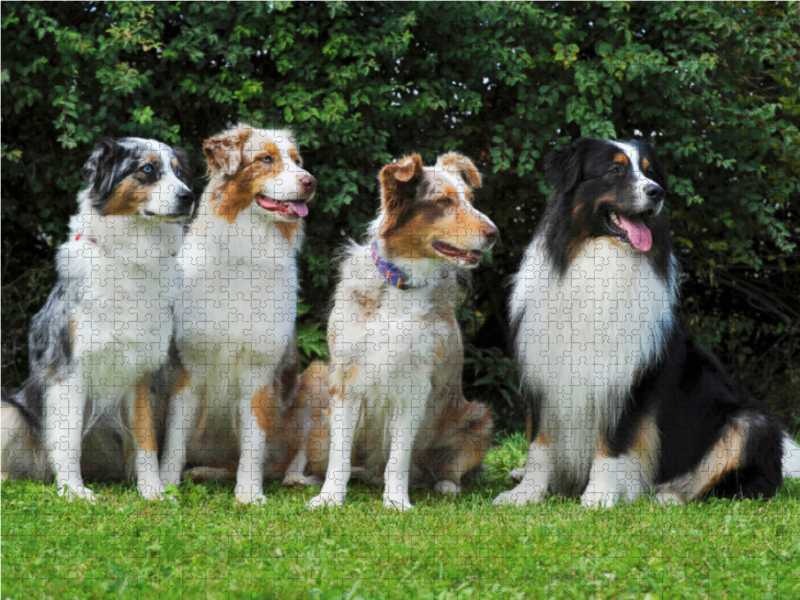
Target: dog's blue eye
267	159
177	172
147	169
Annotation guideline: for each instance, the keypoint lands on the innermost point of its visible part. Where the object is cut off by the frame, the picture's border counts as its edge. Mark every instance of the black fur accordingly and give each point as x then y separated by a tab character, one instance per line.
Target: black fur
694	402
580	176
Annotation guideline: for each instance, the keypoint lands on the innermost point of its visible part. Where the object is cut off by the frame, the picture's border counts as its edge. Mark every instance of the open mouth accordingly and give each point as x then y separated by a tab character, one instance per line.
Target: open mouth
631	230
285	209
472	257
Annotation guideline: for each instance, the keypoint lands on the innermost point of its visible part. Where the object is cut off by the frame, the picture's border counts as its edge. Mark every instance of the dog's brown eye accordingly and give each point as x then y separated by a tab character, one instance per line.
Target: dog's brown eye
615	170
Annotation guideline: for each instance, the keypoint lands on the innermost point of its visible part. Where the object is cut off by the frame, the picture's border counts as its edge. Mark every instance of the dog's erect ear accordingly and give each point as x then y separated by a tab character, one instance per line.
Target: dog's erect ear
99	169
400	180
460	166
223	152
563	166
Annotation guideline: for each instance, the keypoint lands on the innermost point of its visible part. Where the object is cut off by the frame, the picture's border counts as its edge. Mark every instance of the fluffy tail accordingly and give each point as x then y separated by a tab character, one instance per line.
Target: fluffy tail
791	457
21	454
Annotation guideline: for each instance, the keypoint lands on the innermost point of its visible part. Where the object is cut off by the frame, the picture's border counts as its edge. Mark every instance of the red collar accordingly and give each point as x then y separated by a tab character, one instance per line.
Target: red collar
91	239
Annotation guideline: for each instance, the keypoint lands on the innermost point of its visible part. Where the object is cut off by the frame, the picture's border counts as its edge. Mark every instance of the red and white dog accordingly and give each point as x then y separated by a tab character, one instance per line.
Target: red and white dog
237	313
395	344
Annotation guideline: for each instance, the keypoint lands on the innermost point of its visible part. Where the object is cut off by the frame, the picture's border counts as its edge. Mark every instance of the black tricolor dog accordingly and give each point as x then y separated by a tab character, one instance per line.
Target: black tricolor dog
620	400
105	329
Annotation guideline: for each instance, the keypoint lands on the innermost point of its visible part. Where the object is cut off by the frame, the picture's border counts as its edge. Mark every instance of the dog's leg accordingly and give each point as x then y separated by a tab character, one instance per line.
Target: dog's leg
257	415
405	424
536	479
182	415
148	482
344	410
65	404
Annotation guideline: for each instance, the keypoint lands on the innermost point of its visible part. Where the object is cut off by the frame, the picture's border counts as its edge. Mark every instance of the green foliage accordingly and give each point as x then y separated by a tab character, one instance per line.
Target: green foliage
714	85
205	545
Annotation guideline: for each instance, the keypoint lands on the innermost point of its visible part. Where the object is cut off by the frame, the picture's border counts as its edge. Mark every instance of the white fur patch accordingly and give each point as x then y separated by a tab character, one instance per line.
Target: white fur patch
581	340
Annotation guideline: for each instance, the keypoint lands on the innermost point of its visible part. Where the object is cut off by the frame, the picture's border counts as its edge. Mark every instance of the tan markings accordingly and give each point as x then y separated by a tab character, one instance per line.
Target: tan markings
223	152
726	455
288	230
369	305
294	156
182	379
127	198
462	438
462	166
399	182
646	446
264	407
601	447
142	425
450	192
151	158
542	439
645	164
621	158
73	331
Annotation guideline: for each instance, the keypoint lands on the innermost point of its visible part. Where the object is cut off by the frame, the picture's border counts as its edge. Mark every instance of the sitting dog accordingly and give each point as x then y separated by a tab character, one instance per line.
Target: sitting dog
396	349
236	316
620	401
105	329
461	437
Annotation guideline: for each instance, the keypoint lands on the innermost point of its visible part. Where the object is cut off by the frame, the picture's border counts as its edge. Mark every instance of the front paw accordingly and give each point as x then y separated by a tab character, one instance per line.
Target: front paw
76	492
599	499
397	502
520	496
447	487
517	474
326	499
256	498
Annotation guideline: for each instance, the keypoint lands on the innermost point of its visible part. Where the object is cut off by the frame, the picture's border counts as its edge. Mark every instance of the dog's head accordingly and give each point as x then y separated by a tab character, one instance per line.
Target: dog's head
427	212
608	189
134	176
262	174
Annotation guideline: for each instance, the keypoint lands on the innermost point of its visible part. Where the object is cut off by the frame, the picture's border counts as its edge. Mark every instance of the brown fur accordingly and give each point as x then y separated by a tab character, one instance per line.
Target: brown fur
142	422
462	434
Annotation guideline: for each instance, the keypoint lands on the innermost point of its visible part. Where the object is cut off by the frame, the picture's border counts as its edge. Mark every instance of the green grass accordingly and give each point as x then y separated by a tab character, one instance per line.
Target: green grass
204	545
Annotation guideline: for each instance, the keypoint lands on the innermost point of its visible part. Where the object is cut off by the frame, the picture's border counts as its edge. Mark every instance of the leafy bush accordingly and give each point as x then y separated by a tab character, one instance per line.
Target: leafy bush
715	86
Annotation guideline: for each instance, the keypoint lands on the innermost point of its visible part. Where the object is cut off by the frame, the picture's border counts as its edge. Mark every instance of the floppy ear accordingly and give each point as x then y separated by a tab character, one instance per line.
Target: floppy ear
461	166
399	182
99	169
563	166
223	152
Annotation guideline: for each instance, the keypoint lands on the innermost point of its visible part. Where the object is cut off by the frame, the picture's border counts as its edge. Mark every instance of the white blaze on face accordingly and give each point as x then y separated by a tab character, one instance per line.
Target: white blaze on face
642	180
163	198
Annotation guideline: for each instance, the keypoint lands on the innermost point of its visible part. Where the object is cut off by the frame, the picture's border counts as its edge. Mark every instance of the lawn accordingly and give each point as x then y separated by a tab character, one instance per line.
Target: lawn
204	545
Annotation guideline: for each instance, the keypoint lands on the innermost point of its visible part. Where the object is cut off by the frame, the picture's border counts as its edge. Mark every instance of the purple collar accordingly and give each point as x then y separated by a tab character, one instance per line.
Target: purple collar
390	272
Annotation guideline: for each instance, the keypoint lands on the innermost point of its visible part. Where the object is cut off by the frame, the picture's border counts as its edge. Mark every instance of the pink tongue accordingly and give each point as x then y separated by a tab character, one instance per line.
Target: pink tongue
300	208
638	233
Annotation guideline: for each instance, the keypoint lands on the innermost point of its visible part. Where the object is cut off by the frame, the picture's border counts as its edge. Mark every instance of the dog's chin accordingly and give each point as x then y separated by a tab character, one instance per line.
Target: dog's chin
164	218
466	259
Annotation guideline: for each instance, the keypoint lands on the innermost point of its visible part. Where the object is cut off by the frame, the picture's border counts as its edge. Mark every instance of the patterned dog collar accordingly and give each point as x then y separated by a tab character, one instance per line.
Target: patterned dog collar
390	272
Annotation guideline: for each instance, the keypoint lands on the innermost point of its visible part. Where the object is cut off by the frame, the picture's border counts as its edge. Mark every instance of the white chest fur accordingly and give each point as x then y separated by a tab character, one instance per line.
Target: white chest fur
240	293
582	338
123	278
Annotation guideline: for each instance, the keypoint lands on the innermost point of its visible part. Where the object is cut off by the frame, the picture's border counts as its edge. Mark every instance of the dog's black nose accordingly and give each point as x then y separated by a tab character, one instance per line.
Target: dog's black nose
653	191
186	200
